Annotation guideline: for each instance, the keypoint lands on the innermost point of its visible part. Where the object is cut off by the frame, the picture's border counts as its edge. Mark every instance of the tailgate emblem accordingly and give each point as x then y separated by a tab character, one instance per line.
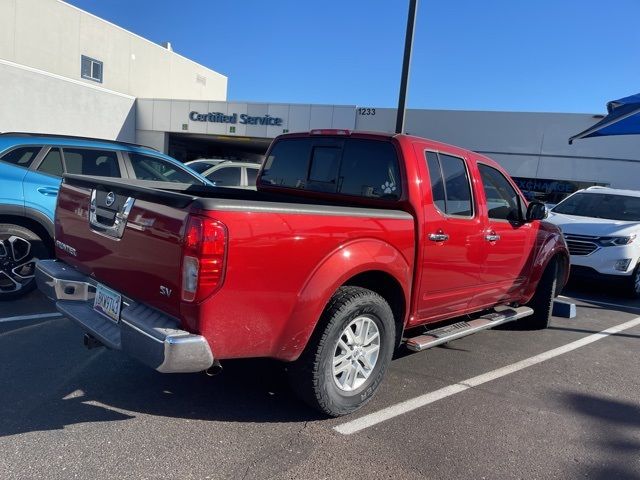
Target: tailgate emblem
109	199
165	291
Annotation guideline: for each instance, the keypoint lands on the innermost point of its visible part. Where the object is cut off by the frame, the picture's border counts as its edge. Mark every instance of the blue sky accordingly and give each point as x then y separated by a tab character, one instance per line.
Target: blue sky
535	55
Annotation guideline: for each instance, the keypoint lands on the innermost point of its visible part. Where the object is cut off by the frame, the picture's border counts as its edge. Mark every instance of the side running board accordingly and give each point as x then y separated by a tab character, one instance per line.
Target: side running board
438	336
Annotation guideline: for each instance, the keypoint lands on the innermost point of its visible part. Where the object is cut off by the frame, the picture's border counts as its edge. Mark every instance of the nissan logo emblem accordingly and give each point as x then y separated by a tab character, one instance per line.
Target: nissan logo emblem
109	199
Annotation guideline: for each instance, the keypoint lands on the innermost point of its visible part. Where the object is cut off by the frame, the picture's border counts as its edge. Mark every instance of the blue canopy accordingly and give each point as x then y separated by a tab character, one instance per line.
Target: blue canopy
623	119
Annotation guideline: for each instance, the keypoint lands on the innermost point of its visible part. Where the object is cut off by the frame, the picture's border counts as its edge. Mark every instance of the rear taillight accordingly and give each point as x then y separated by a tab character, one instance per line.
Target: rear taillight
203	259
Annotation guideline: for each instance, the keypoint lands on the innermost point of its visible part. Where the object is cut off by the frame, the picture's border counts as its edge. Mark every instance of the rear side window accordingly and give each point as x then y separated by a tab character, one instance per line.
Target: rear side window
101	163
437	186
22	157
252	174
349	166
158	170
226	177
200	166
450	184
52	163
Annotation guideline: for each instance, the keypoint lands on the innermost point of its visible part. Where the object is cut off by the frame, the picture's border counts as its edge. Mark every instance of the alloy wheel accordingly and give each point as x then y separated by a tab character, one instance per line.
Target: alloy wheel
356	353
17	264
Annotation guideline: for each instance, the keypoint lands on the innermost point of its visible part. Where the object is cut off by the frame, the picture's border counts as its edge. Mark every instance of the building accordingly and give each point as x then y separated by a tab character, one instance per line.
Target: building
93	78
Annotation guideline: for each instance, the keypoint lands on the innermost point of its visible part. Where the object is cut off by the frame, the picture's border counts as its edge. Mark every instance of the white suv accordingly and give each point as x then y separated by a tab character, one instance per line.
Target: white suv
602	228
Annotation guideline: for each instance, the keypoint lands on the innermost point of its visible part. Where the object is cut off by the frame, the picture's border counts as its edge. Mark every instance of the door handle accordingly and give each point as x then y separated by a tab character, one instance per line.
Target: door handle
492	237
48	191
439	236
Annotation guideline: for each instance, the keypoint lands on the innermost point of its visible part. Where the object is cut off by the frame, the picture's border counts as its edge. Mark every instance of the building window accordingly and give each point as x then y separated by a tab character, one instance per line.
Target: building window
91	69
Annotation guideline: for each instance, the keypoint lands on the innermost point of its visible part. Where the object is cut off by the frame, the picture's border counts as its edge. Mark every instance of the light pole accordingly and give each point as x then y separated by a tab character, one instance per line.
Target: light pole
406	62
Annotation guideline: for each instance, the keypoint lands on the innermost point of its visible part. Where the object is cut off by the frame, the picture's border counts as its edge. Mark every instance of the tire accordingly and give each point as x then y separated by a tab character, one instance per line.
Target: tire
634	283
351	383
542	301
20	247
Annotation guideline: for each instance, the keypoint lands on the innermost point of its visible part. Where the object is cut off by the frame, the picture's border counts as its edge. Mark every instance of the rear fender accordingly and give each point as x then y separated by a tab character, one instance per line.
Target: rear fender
335	270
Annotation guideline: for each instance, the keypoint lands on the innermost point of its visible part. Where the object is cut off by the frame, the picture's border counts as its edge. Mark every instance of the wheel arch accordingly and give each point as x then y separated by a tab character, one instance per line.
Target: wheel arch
361	263
550	252
35	221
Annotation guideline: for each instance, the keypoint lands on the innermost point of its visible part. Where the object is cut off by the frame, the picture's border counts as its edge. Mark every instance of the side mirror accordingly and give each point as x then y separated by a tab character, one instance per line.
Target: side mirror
536	211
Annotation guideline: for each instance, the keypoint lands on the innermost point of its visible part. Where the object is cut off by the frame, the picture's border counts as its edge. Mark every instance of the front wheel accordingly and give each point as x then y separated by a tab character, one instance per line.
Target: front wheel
20	248
634	283
542	301
348	354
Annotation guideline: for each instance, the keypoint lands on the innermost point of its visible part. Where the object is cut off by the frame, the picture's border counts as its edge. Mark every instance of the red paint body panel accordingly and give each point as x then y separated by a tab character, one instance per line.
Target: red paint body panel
282	267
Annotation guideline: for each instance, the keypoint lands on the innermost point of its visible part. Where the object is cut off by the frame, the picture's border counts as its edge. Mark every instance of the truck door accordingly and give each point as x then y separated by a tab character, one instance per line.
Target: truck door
507	240
450	240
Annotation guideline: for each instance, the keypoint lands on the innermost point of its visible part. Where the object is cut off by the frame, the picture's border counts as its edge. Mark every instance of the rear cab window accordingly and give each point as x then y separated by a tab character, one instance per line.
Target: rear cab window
348	166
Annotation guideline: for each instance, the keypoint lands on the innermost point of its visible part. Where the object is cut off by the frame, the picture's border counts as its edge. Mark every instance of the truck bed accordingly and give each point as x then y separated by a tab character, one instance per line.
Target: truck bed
277	247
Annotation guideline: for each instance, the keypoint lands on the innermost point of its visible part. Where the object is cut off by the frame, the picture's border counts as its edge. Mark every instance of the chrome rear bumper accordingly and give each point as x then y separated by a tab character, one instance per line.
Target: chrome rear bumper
142	332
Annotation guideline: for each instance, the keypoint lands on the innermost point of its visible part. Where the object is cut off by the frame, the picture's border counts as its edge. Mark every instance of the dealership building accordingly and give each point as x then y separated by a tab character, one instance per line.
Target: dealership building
65	71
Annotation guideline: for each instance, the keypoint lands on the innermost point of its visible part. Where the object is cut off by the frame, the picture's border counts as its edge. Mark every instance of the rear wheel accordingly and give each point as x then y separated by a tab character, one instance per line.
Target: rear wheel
348	354
20	248
542	301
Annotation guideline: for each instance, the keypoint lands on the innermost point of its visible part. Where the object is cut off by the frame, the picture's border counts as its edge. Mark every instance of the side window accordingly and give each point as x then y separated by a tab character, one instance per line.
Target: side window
503	202
252	174
159	170
101	163
456	186
437	186
450	184
52	163
226	177
22	157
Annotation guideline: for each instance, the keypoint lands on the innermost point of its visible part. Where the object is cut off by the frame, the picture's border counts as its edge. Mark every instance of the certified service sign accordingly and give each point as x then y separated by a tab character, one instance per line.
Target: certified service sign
243	119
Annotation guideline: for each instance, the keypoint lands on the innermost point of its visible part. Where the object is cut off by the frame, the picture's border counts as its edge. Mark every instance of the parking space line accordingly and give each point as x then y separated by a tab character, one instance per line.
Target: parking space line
385	414
598	302
30	317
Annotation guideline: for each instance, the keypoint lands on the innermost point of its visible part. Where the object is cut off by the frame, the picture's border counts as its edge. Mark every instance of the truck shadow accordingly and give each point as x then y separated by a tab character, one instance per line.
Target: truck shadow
54	383
614	435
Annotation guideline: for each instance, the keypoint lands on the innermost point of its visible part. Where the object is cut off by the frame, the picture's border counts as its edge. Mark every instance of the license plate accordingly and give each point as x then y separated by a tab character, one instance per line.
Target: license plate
107	302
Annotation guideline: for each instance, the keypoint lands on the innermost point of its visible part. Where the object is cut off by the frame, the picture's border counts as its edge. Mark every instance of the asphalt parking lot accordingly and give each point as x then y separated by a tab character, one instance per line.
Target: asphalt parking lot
472	408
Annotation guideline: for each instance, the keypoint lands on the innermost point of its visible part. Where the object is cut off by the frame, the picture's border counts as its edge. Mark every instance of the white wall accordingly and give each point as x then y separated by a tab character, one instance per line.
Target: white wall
171	115
36	101
51	35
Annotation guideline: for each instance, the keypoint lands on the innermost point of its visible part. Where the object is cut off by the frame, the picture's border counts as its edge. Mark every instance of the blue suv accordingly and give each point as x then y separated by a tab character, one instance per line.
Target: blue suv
31	167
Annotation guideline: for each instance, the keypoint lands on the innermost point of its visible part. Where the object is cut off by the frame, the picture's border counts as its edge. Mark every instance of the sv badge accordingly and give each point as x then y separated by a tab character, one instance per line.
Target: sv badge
165	291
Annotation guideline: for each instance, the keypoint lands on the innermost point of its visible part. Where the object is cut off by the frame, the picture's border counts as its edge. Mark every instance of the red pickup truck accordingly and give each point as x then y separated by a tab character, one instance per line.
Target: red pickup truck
352	245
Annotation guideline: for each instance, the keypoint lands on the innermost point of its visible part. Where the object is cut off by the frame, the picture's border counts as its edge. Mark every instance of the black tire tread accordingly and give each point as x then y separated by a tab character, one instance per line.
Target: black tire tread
631	288
542	301
304	372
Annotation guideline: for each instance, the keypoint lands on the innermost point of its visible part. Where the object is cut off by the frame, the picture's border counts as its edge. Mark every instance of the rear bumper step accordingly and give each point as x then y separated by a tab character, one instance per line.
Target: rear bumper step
142	332
438	336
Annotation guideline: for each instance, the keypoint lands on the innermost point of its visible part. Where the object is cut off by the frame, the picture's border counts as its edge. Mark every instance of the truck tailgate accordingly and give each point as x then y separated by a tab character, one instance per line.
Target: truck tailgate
107	229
